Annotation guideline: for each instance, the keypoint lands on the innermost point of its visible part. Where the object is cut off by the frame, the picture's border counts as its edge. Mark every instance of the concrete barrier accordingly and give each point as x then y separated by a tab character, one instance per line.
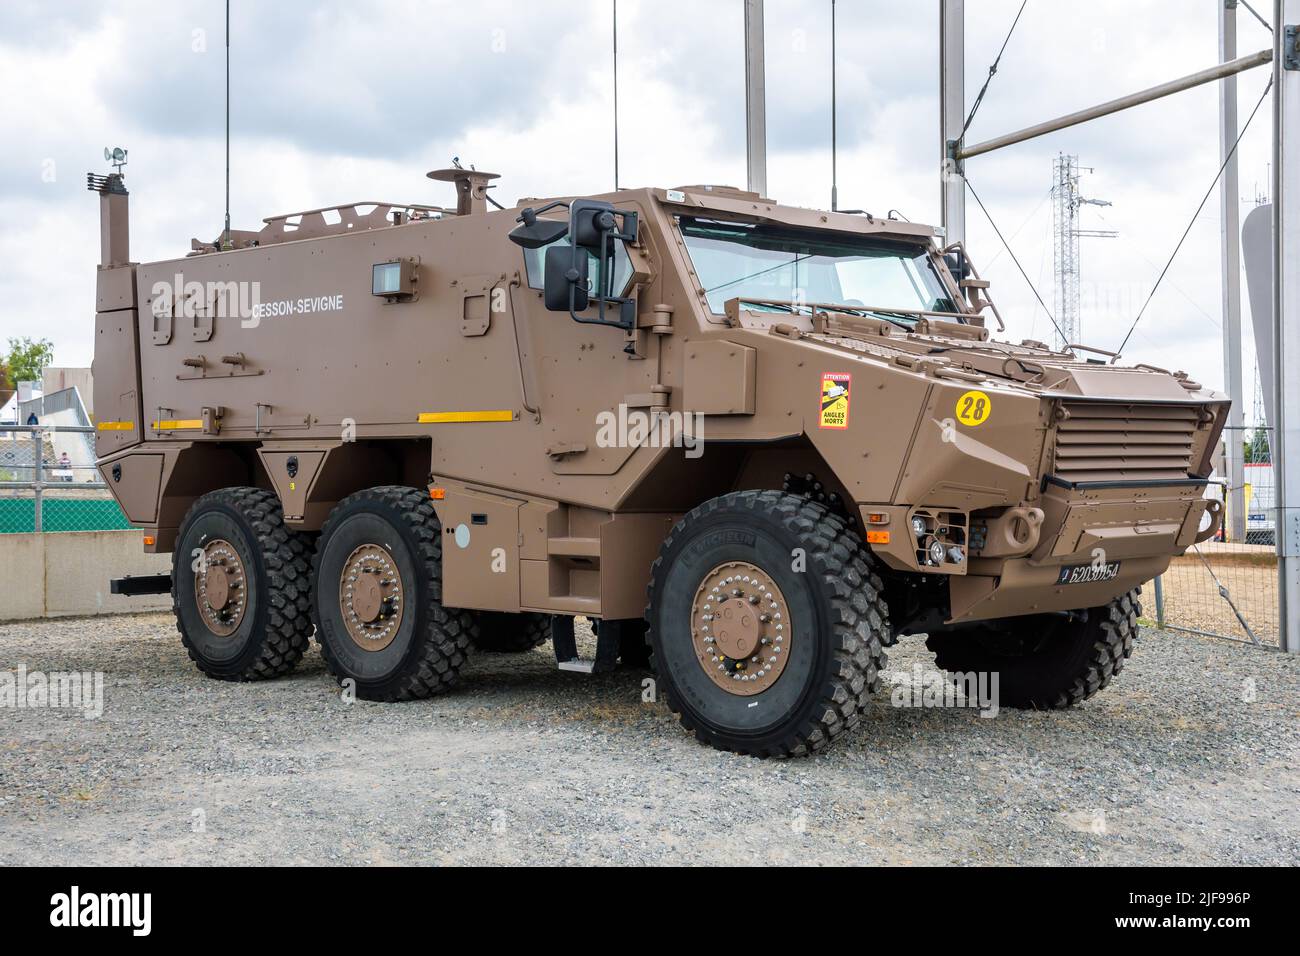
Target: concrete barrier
67	573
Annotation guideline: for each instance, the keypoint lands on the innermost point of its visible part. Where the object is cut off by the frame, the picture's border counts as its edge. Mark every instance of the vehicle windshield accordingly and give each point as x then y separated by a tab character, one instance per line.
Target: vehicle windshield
757	262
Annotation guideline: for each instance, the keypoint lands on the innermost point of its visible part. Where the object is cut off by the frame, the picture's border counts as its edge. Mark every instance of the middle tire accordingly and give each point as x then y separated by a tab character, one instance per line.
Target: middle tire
510	633
766	621
378	597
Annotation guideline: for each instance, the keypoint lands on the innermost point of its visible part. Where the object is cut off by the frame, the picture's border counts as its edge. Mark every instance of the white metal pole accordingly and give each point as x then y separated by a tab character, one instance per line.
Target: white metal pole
952	115
1239	65
755	99
1286	313
1230	240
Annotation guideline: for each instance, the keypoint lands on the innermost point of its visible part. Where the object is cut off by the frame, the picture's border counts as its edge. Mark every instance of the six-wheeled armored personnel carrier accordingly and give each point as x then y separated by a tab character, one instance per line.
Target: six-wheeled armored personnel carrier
756	443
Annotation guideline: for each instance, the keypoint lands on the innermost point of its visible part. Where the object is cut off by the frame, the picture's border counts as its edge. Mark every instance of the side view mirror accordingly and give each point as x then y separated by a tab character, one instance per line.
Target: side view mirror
595	228
534	233
566	277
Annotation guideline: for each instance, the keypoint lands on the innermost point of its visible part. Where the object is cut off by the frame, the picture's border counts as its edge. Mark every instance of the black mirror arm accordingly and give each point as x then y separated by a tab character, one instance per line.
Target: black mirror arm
528	215
608	236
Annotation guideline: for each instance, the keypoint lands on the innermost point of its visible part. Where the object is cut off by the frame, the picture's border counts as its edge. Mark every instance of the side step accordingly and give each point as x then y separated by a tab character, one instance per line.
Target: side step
566	646
135	585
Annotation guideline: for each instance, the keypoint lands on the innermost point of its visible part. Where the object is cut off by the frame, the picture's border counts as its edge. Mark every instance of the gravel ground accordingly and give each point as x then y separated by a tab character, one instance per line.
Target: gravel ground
1190	757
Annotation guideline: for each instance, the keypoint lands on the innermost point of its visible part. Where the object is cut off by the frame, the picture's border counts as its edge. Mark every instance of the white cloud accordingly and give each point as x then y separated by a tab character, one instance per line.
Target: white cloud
341	102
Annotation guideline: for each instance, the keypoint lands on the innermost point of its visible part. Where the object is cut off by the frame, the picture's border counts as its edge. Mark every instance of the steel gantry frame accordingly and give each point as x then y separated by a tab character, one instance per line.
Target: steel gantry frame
1230	246
1285	59
1286	311
1284	56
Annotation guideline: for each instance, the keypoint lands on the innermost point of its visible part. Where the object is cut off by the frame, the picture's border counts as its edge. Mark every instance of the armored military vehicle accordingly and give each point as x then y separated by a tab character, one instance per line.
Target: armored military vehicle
755	443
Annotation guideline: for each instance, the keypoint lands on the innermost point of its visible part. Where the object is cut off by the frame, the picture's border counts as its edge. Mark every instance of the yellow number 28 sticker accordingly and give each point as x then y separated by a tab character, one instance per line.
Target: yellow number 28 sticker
973	408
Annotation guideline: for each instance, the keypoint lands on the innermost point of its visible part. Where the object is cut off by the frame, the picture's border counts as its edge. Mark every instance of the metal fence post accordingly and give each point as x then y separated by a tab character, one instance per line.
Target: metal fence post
1160	602
38	475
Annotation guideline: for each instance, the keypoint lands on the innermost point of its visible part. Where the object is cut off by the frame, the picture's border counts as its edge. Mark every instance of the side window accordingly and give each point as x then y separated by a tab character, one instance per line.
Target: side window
534	265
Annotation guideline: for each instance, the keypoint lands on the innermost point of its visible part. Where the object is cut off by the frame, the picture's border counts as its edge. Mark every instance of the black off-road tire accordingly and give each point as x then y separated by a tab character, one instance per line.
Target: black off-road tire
1046	662
508	633
432	641
634	645
633	642
276	626
836	609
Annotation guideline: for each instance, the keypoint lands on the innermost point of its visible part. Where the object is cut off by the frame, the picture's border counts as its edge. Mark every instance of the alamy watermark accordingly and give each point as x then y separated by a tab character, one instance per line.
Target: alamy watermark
57	690
232	300
655	428
974	690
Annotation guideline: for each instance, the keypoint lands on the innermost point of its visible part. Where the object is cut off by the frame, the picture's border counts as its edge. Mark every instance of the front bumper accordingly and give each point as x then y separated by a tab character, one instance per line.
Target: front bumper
1141	525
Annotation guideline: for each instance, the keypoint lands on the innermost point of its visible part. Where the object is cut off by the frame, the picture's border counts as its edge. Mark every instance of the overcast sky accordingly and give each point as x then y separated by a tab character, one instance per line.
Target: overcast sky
345	101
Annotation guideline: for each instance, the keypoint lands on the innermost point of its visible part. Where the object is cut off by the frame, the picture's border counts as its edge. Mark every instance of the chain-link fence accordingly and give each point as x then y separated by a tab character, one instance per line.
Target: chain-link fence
1225	587
49	482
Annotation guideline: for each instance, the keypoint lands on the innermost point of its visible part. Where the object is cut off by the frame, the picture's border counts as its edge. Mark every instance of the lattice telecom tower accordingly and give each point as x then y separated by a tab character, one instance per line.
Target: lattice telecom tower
1066	201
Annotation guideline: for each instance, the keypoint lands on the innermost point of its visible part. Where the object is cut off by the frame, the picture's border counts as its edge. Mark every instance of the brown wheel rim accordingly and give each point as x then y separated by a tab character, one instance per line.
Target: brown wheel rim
370	597
221	587
740	628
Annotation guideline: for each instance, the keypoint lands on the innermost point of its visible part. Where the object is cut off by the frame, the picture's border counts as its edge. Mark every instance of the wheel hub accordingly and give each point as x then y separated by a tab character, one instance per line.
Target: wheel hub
736	628
370	597
739	628
220	587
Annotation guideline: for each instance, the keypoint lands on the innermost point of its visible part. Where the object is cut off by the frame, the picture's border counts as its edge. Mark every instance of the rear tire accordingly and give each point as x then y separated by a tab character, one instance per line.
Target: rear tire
797	564
508	633
1046	662
378	605
241	586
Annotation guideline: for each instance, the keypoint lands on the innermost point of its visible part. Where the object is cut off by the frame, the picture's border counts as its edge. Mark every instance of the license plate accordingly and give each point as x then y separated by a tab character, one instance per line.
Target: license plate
1088	573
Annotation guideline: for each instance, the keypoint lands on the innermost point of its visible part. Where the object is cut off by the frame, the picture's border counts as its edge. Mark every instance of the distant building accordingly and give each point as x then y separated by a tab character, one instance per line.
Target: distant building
57	379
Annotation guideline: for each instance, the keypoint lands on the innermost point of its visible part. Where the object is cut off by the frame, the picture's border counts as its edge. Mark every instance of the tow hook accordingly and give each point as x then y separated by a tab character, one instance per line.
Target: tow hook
1027	520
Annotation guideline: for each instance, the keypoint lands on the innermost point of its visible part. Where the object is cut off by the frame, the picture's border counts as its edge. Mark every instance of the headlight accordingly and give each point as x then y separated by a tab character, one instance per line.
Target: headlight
918	526
936	552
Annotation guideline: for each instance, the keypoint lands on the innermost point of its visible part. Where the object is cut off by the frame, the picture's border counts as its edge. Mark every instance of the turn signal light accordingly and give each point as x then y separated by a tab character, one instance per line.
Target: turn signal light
877	537
437	494
148	541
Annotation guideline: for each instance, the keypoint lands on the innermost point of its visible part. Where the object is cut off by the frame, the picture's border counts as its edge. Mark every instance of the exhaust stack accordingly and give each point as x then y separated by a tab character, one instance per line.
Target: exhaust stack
114	219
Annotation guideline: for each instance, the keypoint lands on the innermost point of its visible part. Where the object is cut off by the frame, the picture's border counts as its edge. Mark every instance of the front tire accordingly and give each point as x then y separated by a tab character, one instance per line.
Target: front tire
766	621
241	586
378	605
1046	662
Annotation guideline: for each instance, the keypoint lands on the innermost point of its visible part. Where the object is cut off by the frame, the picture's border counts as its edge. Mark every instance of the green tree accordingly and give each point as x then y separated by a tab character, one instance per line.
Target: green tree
1257	446
27	359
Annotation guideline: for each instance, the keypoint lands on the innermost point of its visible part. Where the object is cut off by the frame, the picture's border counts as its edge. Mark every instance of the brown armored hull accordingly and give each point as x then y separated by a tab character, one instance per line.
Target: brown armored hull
570	430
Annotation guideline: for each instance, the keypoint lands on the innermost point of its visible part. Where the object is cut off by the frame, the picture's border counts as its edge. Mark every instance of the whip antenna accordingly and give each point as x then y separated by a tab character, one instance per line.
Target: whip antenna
835	189
226	243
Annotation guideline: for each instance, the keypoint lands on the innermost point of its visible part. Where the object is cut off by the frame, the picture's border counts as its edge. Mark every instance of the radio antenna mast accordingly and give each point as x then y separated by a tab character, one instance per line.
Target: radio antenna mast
835	197
616	94
226	243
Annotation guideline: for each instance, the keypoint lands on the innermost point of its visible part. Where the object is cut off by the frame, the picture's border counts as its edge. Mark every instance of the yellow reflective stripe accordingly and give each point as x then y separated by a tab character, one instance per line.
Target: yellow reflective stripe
441	418
115	426
178	424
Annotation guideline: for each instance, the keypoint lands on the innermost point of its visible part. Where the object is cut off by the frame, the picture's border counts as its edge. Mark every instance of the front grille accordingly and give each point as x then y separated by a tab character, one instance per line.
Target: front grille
1122	442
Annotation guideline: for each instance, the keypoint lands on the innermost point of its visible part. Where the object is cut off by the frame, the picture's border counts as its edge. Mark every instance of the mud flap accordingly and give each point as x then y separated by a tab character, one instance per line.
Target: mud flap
566	646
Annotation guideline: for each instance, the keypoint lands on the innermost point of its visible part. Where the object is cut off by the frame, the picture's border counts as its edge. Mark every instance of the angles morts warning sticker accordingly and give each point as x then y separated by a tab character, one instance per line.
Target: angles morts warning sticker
835	400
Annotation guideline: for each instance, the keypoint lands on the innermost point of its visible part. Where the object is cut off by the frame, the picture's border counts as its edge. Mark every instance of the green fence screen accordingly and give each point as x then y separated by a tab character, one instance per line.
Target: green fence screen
18	515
